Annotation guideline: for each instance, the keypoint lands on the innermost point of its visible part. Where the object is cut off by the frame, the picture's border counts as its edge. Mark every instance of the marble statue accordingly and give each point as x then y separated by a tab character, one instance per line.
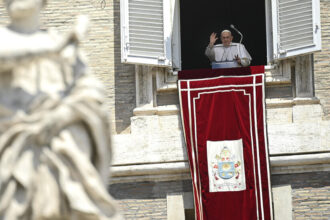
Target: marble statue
54	134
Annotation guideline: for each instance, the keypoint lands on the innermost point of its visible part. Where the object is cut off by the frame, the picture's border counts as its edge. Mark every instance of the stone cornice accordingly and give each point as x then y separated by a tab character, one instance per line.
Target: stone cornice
282	164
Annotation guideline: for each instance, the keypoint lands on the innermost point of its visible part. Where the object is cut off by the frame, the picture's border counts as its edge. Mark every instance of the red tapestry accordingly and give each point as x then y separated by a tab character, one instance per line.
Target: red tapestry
225	132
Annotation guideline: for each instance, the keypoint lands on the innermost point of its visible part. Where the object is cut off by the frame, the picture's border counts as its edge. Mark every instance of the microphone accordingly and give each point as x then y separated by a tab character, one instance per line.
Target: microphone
240	42
233	27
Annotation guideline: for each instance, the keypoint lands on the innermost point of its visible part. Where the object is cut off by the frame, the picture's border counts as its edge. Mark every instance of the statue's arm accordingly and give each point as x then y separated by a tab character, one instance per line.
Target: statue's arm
13	57
9	61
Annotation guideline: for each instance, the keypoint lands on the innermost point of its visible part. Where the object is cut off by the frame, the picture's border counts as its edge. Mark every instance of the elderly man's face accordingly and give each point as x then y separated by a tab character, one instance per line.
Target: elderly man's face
226	38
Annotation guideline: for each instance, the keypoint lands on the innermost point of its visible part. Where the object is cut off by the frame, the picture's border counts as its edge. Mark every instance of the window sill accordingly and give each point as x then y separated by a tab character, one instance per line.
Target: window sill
283	103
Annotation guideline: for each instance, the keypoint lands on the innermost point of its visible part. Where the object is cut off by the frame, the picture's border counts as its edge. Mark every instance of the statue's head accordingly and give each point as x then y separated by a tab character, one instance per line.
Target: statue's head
20	9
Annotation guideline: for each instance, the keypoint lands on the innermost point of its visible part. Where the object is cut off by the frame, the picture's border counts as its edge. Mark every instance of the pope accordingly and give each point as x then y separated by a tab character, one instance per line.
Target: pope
227	54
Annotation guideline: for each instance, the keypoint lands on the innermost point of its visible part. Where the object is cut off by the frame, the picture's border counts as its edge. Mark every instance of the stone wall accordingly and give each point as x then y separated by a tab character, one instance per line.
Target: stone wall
102	48
146	200
310	194
322	61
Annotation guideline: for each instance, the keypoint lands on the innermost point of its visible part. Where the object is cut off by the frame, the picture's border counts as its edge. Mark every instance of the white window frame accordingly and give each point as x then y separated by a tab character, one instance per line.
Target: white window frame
176	35
126	57
273	51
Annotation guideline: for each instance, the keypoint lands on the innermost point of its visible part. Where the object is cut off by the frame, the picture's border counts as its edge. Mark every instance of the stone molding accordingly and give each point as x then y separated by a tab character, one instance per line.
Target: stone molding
175	109
159	110
282	164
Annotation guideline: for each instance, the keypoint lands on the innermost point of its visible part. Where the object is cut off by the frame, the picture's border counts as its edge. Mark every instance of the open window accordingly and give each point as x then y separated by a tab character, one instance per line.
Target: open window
174	33
200	18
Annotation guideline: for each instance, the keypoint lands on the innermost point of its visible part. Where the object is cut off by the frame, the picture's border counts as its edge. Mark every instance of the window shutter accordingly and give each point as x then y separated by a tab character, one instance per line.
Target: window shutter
176	36
146	32
296	27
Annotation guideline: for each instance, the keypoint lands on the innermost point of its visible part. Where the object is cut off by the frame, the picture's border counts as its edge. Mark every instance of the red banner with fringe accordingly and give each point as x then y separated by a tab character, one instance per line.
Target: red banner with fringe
223	114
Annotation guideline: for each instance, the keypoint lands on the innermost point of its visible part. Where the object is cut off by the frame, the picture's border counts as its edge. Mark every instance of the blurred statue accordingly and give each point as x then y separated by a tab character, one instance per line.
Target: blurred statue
54	134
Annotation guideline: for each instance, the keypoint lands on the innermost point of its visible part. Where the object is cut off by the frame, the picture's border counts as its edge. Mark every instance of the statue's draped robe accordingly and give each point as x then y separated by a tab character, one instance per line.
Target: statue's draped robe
65	178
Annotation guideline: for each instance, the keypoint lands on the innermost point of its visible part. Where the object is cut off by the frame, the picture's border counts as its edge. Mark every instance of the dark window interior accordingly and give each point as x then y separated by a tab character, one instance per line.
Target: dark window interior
200	18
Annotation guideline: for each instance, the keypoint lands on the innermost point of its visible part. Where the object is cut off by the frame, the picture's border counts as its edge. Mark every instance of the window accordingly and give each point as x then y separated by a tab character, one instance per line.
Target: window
146	32
296	27
274	29
200	18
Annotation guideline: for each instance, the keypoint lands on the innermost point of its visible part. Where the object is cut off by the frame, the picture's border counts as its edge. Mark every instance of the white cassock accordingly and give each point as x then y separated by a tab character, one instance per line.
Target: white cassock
225	56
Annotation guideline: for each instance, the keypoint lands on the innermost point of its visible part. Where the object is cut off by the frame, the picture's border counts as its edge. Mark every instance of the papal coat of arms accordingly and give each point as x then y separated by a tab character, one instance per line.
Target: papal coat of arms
226	165
227	168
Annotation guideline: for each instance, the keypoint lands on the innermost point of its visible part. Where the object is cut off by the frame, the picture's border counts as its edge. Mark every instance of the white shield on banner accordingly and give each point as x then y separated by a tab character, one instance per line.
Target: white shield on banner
226	166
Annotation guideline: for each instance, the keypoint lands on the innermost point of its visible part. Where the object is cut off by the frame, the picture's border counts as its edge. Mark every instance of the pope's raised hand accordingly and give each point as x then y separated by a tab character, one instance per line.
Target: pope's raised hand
213	38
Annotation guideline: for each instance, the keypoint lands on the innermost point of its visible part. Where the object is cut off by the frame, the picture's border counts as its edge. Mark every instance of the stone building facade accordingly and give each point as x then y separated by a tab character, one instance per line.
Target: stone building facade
150	165
321	61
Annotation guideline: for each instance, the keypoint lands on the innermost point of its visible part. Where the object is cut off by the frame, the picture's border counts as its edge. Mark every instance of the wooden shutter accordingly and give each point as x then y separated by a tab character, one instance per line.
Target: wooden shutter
296	27
146	32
